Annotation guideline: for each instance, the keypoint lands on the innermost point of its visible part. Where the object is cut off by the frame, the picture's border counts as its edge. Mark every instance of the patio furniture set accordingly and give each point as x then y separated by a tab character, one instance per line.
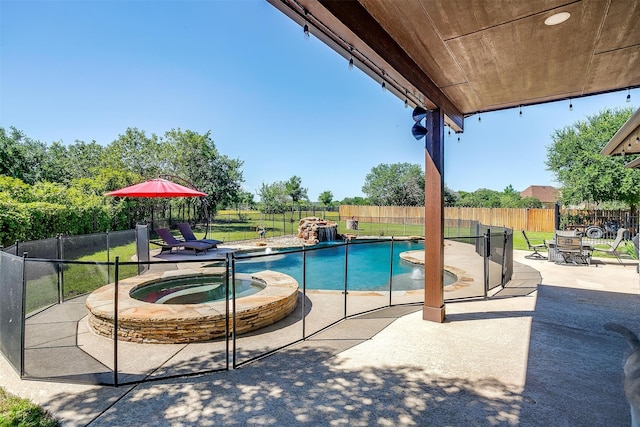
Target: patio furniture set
568	247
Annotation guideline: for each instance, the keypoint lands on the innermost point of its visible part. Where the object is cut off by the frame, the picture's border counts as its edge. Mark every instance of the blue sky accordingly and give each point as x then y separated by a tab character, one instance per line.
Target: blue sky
285	105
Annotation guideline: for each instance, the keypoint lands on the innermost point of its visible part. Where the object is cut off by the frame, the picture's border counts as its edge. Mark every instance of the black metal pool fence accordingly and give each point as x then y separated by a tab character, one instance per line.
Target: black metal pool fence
44	332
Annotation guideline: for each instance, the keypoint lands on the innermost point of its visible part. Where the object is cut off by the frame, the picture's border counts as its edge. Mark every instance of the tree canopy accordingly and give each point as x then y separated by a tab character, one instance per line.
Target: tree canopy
398	184
355	201
277	196
326	197
485	198
586	175
58	188
294	189
273	197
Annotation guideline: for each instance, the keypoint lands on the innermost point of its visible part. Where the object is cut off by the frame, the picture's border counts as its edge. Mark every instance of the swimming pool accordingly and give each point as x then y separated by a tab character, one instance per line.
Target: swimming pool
367	266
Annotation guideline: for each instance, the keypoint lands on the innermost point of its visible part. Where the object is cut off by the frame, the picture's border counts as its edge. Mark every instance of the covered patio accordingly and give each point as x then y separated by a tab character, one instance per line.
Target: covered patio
459	58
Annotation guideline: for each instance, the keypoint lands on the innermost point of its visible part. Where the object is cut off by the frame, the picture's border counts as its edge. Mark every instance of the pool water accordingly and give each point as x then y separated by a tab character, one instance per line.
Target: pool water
192	290
367	267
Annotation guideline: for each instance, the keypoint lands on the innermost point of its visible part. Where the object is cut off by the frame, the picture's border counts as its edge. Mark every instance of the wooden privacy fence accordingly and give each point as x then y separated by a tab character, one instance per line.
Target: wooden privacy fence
517	219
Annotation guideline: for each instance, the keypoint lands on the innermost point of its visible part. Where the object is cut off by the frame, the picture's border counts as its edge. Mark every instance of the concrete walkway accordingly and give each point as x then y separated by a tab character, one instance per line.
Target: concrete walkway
539	359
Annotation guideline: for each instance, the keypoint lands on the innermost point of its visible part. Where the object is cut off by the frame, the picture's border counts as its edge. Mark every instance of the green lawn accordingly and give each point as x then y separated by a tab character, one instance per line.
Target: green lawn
18	412
78	279
535	237
234	226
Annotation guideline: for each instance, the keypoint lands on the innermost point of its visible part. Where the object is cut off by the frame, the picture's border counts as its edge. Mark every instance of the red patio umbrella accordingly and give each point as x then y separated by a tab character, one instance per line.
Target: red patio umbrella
156	188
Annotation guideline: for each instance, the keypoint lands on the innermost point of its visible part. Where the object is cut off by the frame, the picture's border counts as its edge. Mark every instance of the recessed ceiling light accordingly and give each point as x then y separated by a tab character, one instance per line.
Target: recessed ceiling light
557	18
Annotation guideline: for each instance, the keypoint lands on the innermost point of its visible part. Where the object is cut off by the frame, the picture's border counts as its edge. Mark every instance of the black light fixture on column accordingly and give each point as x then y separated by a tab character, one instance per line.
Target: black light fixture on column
419	130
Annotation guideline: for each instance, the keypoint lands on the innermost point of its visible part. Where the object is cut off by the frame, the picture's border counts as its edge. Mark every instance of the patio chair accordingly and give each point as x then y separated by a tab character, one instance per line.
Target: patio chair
571	249
613	247
187	233
169	242
536	248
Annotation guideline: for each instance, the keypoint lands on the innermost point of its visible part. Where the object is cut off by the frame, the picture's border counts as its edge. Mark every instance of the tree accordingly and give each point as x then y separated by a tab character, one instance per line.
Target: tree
86	157
450	197
246	198
531	202
586	175
274	197
295	190
21	157
326	197
510	198
137	153
194	157
481	198
355	201
398	184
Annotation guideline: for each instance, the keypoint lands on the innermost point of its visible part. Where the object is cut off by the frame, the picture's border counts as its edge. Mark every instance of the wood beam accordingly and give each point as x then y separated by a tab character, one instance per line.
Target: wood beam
355	17
434	309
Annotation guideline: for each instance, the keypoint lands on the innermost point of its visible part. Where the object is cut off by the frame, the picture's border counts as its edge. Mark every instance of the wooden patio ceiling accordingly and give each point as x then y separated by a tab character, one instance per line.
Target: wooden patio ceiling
471	56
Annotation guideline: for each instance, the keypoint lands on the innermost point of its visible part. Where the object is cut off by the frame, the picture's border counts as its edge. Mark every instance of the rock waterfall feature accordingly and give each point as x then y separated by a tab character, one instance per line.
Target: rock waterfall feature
314	230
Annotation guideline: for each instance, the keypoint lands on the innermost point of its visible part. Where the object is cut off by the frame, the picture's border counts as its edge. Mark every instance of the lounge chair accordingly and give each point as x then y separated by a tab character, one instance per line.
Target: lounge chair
170	242
535	248
187	233
613	247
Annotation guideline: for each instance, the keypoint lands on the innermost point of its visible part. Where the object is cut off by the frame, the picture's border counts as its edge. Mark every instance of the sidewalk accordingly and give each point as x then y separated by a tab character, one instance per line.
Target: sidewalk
540	359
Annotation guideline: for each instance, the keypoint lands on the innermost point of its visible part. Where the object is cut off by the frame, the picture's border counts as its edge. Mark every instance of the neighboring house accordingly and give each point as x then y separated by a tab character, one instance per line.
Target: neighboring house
547	194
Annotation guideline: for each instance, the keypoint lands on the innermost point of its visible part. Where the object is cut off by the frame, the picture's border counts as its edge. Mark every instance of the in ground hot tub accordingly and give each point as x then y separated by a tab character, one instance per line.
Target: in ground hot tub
274	296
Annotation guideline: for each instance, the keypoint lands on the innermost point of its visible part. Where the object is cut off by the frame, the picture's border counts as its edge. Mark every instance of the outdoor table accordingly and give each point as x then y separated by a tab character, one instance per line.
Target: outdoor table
554	255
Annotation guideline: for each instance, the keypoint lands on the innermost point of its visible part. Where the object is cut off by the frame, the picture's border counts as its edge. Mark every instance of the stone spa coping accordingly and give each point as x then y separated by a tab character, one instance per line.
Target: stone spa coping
144	322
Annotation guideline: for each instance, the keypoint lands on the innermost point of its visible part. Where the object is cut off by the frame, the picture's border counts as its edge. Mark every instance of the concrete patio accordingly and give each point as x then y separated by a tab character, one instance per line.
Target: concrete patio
539	359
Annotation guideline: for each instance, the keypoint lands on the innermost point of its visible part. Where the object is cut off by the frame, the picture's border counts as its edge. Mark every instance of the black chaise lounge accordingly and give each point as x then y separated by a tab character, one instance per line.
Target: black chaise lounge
187	233
169	242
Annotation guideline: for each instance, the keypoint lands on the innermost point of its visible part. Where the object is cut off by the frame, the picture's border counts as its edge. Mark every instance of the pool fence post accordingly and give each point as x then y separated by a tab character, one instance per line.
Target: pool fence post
233	314
487	252
304	292
23	311
60	269
115	322
346	276
226	306
109	259
391	271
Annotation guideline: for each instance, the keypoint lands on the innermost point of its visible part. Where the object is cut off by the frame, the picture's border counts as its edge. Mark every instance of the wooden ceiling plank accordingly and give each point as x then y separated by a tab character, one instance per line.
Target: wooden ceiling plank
355	17
425	47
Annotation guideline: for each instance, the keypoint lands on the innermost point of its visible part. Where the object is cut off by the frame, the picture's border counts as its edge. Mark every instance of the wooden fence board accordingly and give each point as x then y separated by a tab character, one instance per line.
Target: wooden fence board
527	219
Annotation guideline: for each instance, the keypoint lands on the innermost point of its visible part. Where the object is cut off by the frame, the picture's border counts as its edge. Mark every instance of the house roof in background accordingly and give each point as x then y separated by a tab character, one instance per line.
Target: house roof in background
544	193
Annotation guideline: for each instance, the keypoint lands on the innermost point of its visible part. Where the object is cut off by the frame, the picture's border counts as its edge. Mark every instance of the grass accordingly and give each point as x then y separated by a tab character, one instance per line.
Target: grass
535	237
234	226
18	412
78	279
